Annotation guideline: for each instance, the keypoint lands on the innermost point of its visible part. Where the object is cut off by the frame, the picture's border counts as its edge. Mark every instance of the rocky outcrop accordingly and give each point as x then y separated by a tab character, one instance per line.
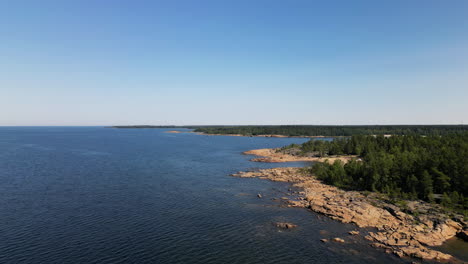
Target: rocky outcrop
285	225
337	239
463	234
397	232
275	155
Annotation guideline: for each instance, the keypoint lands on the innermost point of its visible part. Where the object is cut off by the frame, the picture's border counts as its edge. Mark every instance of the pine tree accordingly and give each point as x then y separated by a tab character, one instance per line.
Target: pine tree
426	186
446	201
454	197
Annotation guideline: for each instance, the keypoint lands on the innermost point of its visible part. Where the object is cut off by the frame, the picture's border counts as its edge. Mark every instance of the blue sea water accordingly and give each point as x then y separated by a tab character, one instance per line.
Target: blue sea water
105	195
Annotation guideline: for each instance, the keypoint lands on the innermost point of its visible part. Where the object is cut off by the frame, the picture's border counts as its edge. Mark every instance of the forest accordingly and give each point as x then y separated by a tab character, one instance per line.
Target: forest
432	168
315	130
306	130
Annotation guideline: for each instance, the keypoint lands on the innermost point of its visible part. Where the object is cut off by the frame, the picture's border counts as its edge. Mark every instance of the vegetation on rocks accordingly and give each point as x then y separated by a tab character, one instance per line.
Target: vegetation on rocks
396	232
432	168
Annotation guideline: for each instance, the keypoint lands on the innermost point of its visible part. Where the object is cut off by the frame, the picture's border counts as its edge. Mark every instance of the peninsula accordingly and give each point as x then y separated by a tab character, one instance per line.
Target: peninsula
400	185
410	183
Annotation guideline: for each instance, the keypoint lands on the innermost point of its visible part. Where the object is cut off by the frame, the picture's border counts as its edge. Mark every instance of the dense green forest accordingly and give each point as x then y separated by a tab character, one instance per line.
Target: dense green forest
302	130
409	167
306	130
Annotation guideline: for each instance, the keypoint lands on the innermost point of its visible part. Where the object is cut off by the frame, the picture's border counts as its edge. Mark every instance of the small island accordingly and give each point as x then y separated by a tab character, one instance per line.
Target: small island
174	131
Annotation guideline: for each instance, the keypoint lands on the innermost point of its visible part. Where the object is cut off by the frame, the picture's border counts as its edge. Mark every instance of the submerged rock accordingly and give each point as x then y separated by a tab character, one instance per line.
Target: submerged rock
285	225
323	232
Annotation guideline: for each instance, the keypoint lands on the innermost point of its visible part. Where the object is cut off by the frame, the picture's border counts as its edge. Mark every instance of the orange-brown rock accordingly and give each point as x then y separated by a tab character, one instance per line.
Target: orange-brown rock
397	231
337	239
274	155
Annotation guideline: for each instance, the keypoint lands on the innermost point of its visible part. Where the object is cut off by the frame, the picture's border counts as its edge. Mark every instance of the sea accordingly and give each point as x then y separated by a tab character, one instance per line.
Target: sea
107	195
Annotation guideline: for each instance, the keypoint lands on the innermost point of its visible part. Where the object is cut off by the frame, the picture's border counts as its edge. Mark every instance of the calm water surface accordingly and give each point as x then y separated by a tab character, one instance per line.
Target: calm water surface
103	195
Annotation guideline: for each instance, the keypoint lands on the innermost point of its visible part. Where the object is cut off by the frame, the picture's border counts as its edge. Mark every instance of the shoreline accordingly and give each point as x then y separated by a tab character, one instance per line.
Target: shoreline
397	232
271	155
267	135
242	135
174	131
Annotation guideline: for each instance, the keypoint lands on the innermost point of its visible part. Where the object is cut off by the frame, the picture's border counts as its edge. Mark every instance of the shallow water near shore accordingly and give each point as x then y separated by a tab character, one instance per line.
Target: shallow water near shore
104	195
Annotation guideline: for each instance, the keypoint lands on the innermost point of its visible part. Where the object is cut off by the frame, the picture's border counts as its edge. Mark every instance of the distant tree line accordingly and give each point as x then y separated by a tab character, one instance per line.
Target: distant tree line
303	130
409	167
312	130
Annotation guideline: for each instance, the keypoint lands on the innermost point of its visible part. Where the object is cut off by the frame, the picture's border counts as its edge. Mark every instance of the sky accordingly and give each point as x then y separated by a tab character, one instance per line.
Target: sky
199	62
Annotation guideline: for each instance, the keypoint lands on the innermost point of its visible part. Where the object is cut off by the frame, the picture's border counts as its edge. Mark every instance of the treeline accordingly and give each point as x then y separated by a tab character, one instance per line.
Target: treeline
332	131
432	168
303	130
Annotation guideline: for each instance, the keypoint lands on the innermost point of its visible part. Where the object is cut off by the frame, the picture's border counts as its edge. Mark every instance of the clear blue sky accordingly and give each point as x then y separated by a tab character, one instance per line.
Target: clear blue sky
87	62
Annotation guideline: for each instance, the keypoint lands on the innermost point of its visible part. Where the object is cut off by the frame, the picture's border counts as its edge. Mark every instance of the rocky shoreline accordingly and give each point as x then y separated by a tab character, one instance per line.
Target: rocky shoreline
275	156
397	232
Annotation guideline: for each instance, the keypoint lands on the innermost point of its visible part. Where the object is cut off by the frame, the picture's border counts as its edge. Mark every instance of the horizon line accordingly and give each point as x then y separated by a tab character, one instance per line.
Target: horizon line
226	125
